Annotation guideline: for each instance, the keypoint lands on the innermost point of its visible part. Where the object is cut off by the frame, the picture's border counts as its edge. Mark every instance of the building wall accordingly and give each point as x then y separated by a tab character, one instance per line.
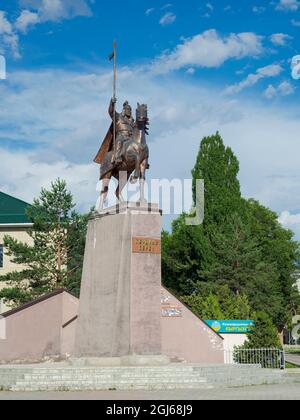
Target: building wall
233	340
230	342
17	233
20	234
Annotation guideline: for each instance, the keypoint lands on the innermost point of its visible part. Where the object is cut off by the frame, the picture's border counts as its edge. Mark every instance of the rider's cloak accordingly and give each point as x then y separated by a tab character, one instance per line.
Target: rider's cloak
107	145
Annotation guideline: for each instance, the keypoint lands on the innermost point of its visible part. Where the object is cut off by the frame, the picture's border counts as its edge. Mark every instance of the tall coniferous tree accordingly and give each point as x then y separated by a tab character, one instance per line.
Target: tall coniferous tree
188	251
217	165
54	258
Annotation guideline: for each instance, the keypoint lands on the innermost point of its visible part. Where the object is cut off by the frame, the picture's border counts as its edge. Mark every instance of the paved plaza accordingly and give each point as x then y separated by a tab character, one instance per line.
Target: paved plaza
266	392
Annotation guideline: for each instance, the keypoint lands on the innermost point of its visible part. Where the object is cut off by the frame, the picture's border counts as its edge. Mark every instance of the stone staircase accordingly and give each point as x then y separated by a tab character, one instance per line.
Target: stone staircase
63	377
292	376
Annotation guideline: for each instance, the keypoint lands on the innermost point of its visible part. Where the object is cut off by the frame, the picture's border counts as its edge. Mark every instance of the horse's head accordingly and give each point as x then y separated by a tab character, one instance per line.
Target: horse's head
142	119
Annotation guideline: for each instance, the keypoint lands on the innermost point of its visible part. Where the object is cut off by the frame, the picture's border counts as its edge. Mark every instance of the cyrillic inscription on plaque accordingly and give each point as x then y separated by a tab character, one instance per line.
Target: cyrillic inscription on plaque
146	246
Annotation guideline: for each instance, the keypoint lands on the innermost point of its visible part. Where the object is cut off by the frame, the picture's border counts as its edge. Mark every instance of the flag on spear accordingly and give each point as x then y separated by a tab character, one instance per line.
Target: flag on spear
114	53
106	145
113	56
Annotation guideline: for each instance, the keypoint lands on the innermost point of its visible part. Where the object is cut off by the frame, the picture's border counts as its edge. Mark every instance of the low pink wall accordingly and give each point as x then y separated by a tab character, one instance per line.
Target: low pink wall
47	329
37	332
185	336
70	310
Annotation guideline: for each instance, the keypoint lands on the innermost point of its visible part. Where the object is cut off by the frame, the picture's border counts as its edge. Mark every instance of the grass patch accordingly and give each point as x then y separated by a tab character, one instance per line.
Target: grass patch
3	389
291	366
292	351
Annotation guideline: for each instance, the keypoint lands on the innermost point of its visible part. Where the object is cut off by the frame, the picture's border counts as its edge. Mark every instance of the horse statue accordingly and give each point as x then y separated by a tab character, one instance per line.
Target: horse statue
134	163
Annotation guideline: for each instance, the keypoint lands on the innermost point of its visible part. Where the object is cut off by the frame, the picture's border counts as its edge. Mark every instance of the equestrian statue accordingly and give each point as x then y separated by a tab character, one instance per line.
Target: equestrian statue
124	153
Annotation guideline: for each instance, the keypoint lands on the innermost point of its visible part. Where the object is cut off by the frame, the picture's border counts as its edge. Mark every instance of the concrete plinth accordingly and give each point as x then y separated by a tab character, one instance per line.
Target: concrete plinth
125	361
120	311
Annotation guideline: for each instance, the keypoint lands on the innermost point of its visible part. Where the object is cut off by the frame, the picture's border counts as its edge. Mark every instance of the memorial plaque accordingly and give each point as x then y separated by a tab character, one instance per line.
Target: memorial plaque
171	312
146	246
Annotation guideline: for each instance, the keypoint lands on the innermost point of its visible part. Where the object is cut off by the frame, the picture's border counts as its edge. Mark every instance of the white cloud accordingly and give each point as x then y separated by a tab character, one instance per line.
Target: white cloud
280	39
80	177
54	10
295	22
290	221
168	19
210	7
5	25
8	38
166	6
209	49
270	92
34	12
285	88
149	11
288	5
258	9
12	41
272	70
39	11
191	71
27	19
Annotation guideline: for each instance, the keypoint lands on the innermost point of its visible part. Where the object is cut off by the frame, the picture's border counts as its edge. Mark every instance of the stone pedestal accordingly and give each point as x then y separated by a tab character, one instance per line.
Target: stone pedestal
120	302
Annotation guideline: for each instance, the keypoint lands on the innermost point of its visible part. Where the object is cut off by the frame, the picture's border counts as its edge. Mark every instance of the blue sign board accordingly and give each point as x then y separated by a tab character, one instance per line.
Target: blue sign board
231	327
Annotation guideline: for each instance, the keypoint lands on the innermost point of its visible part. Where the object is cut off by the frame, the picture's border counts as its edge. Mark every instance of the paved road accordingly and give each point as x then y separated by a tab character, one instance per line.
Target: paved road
270	392
293	358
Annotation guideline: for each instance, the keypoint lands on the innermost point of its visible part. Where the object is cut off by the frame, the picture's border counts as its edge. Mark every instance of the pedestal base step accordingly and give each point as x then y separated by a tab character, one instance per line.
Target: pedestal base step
133	360
61	377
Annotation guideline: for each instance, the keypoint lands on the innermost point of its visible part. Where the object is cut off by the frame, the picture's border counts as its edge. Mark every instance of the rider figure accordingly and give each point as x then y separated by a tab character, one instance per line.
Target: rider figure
124	129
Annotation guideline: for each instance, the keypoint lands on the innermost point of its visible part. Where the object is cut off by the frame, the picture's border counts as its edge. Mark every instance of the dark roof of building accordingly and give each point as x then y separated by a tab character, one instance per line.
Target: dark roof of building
12	210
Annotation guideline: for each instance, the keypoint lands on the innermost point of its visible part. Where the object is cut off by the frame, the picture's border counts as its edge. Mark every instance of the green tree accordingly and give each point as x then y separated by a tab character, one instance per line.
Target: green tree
234	306
281	251
240	264
237	256
205	308
76	240
264	334
240	244
54	258
218	302
183	255
217	165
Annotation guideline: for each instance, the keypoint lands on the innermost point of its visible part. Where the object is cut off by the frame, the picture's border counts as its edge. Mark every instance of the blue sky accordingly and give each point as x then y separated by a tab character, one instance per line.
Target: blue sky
202	66
145	29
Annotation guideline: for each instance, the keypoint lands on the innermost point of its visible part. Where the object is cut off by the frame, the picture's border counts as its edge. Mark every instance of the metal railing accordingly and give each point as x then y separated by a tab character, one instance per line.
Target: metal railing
266	358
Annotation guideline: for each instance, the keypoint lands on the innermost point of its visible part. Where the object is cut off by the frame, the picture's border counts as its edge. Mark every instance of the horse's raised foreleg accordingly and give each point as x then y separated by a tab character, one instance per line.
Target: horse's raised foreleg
103	194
